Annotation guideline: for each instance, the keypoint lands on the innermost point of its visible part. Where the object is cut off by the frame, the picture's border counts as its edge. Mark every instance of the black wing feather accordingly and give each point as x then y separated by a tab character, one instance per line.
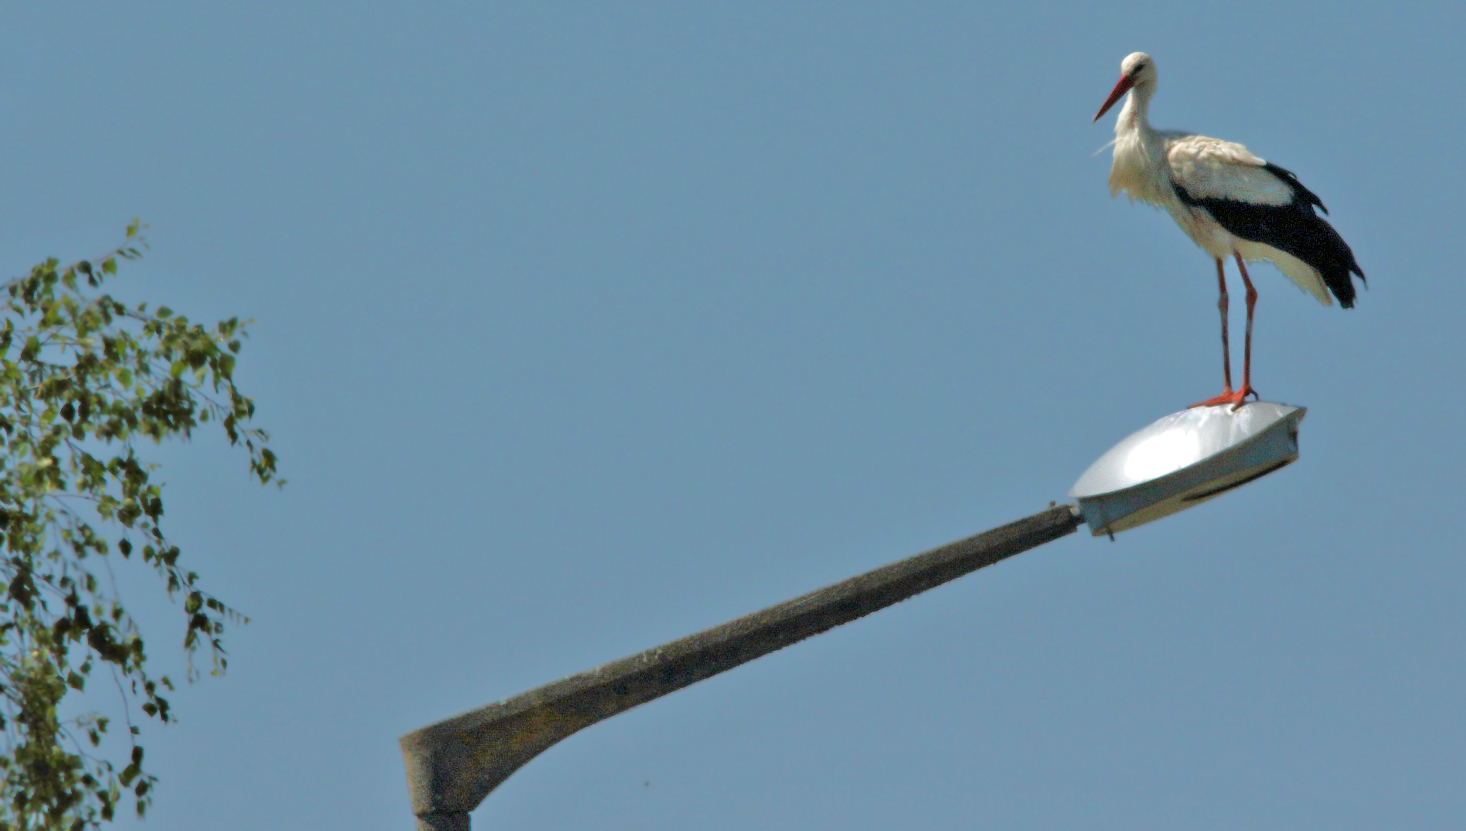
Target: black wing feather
1293	228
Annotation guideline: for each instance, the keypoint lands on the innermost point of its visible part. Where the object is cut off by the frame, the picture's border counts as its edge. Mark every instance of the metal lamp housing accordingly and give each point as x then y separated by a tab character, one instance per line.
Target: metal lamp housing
1184	459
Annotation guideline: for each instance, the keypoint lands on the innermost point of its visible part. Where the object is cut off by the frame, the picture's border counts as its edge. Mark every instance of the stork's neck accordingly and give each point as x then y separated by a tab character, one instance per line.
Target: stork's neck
1140	167
1134	115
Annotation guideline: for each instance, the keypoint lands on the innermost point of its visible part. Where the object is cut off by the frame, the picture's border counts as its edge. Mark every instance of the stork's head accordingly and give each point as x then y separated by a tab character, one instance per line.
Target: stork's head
1137	70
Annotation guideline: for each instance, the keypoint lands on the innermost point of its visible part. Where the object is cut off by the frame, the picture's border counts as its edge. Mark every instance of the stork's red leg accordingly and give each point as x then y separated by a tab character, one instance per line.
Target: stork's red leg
1222	303
1226	397
1246	388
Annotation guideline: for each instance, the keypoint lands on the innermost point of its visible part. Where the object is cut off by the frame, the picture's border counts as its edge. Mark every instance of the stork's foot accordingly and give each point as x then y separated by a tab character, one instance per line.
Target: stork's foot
1236	399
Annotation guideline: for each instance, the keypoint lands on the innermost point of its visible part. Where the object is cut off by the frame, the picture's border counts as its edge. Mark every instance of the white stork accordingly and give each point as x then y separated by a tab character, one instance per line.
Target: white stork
1231	203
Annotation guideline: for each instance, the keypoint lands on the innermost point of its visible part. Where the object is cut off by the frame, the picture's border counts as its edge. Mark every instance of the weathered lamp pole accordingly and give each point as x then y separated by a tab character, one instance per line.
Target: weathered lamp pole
454	764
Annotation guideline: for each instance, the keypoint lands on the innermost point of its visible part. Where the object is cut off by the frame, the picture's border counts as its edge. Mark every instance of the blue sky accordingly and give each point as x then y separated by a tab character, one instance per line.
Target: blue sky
584	327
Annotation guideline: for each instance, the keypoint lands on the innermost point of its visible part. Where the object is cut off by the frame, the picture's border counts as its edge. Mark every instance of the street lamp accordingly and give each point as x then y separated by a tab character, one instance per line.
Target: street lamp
1178	461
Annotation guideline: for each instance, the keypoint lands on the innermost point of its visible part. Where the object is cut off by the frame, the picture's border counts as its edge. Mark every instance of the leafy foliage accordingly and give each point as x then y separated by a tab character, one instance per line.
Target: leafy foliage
84	378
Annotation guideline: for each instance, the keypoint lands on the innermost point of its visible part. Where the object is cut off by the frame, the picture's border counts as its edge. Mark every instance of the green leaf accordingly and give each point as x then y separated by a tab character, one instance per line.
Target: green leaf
91	376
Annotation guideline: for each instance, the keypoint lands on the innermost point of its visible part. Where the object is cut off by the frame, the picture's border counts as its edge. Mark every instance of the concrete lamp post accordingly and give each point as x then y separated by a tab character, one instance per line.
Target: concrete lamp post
454	764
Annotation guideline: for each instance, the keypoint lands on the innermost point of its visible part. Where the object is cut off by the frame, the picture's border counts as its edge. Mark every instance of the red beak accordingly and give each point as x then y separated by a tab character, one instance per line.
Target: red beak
1126	82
